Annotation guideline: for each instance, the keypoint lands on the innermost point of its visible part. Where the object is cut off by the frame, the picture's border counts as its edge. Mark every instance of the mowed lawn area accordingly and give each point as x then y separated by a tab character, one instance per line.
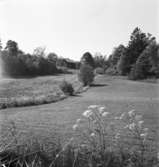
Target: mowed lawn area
116	93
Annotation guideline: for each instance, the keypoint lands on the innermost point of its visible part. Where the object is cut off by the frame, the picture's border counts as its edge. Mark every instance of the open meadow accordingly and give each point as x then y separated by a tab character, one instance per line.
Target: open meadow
43	121
34	90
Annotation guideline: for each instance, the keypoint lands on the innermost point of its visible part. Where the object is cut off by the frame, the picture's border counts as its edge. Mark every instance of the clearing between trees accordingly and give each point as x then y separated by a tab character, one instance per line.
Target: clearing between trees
116	93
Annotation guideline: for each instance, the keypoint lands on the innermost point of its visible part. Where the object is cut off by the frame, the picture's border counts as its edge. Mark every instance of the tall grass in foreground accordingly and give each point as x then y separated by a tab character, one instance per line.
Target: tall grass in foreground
100	139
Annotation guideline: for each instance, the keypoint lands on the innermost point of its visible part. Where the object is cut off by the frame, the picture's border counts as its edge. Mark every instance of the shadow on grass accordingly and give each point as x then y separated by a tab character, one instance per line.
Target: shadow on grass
76	95
31	76
98	85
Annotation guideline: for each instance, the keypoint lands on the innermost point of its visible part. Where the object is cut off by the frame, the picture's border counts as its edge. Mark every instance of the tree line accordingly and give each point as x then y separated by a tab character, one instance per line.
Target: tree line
138	60
16	63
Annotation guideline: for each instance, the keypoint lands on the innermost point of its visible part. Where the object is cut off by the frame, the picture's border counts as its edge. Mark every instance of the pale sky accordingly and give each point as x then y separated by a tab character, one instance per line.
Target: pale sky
72	27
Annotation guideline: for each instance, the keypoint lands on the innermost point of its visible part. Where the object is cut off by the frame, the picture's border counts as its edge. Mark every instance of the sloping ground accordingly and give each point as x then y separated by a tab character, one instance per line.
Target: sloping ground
117	94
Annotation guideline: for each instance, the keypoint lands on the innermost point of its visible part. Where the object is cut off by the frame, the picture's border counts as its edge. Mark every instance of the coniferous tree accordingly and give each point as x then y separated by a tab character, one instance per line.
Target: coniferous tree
87	59
147	63
86	72
137	44
115	56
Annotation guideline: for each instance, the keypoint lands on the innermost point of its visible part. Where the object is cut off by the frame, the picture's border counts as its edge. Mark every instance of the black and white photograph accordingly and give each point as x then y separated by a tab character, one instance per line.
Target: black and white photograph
79	83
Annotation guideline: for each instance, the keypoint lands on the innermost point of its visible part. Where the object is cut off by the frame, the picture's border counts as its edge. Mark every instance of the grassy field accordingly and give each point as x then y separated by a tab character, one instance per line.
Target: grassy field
32	91
50	121
118	94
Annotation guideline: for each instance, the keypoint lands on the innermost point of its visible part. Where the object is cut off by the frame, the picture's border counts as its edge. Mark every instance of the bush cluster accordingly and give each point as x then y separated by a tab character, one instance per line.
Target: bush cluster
86	74
16	63
99	70
67	88
26	65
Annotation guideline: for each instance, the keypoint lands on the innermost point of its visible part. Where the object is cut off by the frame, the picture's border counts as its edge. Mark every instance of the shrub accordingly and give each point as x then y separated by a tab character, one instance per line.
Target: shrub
99	70
67	88
18	64
111	71
86	74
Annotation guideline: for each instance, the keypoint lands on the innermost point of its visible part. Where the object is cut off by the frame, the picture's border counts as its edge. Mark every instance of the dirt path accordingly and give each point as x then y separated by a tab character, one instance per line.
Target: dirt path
117	94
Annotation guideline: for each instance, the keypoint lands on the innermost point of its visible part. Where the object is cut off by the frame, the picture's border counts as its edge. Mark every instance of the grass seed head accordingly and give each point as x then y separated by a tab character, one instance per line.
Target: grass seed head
75	127
131	113
101	109
92	106
87	113
122	116
105	114
92	135
132	126
140	124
